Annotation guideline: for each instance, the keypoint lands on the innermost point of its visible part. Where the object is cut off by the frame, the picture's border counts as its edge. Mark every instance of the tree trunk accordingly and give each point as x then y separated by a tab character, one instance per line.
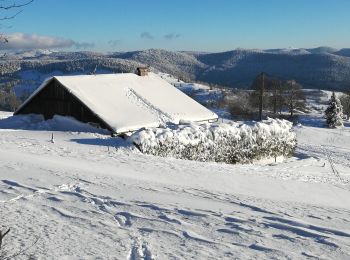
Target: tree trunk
261	96
275	100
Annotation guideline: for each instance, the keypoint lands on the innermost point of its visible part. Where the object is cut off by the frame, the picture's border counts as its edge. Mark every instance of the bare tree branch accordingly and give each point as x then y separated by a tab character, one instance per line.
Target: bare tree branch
10	17
14	5
2	236
4	6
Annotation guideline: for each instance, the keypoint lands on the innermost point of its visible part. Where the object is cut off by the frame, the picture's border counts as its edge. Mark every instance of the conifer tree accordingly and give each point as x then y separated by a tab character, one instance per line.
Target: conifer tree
334	112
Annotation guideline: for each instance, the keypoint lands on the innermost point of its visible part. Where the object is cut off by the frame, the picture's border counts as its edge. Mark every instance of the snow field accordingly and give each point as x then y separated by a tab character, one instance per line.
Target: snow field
90	196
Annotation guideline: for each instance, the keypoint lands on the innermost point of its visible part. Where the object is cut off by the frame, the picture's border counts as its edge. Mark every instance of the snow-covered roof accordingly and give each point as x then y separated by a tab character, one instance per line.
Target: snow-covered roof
127	102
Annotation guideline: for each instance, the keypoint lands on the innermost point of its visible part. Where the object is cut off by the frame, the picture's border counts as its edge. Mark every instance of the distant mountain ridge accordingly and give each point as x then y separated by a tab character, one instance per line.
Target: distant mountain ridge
322	67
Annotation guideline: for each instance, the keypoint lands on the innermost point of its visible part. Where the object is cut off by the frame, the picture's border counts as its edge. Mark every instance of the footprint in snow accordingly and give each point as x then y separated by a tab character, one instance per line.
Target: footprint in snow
190	213
140	252
123	219
169	219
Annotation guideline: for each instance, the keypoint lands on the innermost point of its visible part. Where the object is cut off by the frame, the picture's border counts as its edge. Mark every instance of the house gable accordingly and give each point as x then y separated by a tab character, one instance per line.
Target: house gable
55	99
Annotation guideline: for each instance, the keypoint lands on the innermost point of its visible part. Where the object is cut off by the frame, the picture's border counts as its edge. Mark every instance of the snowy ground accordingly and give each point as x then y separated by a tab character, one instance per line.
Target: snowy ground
80	198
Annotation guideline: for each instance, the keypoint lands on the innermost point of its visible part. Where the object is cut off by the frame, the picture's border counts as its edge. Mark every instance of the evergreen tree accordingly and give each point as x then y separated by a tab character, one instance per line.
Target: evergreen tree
334	112
345	101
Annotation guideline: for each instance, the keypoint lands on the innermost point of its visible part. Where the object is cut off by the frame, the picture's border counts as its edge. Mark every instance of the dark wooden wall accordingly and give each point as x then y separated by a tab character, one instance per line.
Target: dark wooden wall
55	99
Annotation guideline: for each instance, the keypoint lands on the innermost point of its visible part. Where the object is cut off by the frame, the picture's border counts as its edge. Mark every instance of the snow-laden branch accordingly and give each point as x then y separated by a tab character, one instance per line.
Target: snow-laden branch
229	143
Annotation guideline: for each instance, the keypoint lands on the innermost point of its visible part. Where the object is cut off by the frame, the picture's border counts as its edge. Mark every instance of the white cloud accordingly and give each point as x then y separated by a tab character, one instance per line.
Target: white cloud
23	41
172	36
147	35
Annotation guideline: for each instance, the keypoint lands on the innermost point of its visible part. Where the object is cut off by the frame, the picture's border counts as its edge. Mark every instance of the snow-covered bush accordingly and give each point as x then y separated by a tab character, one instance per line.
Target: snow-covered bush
229	143
334	112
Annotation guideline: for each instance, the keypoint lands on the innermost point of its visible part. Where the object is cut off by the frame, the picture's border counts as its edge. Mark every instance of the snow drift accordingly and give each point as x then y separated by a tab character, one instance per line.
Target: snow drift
226	142
38	122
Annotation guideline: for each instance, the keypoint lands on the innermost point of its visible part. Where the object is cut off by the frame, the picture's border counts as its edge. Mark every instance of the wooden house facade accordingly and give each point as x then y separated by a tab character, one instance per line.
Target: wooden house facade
56	99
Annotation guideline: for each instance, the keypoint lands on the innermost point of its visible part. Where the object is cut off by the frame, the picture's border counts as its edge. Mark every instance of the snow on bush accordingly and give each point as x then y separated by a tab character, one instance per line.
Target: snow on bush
229	143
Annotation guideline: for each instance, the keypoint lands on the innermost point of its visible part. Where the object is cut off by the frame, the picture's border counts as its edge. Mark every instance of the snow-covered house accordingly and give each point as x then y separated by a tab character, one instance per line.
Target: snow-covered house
118	102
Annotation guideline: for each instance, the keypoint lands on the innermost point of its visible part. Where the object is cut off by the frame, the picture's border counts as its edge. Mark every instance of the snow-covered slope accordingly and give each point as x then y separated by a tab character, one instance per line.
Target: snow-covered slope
81	198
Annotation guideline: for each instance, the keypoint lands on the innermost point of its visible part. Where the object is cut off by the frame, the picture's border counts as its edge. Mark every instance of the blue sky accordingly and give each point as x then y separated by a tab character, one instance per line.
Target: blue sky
203	25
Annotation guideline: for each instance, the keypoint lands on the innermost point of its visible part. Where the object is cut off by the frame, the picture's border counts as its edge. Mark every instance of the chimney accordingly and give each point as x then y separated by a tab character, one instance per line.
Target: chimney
142	71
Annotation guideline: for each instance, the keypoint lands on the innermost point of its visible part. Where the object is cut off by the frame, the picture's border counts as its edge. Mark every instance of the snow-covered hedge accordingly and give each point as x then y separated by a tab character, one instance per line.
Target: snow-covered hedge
229	143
